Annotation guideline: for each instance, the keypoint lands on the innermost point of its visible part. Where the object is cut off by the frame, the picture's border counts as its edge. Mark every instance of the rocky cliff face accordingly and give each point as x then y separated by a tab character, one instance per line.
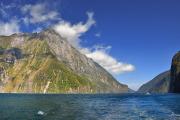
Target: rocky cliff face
160	84
165	82
175	74
47	63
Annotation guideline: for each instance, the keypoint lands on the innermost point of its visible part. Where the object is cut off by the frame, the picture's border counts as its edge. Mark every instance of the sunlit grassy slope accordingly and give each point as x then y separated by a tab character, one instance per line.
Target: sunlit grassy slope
39	71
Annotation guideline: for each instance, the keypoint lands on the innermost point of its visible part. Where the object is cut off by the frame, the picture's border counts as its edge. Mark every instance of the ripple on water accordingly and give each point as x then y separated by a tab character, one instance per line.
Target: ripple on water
90	107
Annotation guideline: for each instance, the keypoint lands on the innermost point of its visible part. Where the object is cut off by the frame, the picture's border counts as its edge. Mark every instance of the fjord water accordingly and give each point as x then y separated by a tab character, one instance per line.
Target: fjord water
89	107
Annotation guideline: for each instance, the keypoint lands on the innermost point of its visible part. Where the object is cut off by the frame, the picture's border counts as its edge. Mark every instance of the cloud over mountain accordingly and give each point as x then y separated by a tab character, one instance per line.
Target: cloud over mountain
38	13
73	32
8	28
101	56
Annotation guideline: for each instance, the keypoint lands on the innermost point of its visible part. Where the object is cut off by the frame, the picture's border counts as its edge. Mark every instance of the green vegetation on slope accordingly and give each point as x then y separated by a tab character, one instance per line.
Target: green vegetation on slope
47	63
39	71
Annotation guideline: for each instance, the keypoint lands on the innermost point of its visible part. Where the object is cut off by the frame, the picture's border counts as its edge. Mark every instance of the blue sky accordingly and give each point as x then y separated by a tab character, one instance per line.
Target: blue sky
138	37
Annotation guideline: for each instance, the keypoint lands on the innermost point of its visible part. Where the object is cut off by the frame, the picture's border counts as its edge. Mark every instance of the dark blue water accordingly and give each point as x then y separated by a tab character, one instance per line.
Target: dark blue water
90	107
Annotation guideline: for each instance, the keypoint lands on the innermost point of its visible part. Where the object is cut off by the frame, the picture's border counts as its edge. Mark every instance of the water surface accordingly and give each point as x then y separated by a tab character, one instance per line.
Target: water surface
89	107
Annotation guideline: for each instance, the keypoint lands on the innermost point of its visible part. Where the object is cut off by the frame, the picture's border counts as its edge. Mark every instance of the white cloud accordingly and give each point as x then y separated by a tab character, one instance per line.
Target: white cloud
8	28
73	32
101	56
38	13
11	25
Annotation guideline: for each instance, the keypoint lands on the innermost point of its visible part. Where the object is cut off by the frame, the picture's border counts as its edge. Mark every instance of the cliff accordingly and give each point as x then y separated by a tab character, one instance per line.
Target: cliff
175	74
47	63
159	84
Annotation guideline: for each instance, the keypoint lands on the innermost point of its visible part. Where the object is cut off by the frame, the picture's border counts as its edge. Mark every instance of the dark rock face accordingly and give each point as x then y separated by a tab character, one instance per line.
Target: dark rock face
16	52
160	84
175	74
10	55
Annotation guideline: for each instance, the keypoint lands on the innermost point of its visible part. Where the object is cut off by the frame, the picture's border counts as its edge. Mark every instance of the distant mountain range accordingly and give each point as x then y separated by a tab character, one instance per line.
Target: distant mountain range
46	63
159	84
165	82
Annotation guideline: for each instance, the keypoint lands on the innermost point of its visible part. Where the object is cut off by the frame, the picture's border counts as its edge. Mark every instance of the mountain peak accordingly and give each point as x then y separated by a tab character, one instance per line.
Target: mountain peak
50	30
48	63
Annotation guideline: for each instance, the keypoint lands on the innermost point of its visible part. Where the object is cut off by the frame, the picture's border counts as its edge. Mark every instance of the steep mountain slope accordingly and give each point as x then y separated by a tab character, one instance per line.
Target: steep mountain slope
159	84
175	74
47	63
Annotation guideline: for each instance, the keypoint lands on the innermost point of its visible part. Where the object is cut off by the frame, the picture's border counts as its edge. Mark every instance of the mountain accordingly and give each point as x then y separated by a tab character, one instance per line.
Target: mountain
175	74
159	84
168	81
46	63
131	90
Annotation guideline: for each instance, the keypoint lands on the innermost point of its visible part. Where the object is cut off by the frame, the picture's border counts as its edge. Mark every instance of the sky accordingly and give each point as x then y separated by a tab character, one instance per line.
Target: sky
134	40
